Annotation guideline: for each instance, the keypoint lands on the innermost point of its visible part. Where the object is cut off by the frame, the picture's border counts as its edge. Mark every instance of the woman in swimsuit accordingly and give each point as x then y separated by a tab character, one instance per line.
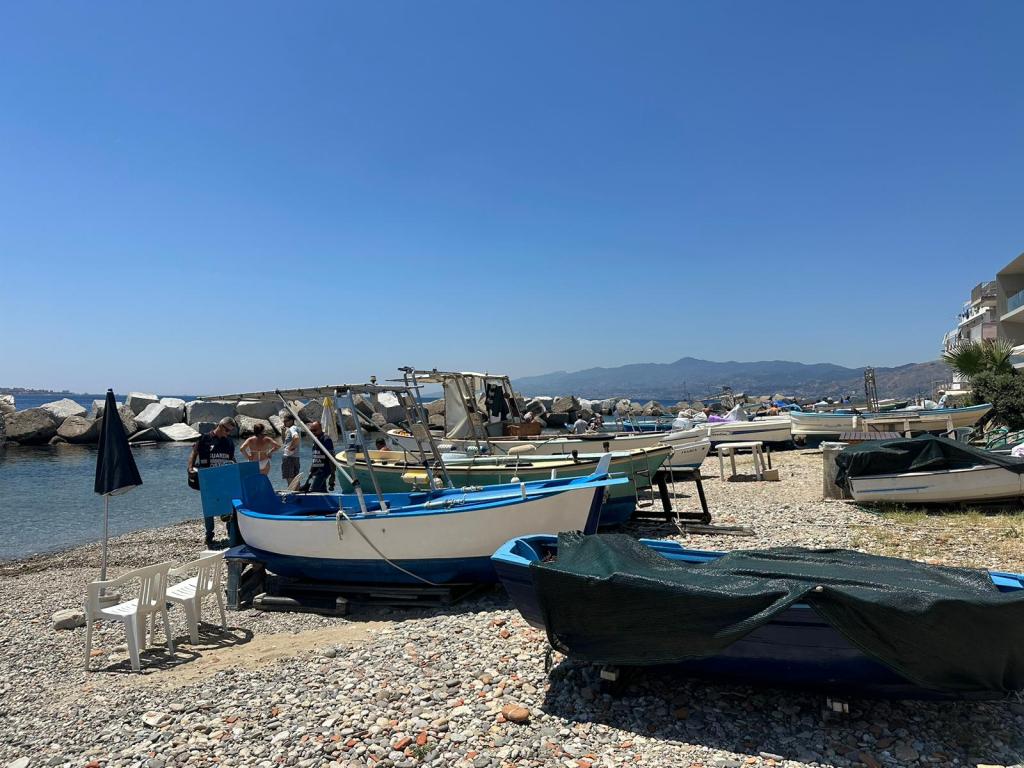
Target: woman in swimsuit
259	448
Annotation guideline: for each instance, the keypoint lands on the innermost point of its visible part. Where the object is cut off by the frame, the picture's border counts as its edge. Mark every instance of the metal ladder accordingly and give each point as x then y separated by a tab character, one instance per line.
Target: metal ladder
419	427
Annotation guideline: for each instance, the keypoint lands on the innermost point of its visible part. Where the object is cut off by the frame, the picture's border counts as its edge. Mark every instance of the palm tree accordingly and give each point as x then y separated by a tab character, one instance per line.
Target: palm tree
969	358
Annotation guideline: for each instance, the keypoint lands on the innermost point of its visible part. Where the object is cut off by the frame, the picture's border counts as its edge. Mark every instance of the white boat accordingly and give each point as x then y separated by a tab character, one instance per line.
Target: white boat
438	537
907	422
689	455
985	482
767	429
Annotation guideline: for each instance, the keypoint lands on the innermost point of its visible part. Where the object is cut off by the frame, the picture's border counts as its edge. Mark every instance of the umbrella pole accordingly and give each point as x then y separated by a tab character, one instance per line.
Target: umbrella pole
106	516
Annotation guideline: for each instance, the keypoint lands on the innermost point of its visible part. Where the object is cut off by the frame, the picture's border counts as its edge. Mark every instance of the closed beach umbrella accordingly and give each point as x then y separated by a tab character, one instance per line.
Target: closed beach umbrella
329	420
116	471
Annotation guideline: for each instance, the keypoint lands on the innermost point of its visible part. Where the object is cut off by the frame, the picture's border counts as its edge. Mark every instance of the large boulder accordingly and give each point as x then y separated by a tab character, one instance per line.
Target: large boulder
33	426
246	424
567	404
79	429
202	427
312	411
176	404
208	410
652	408
145	436
257	409
556	419
127	419
607	406
7	405
537	406
98	406
155	415
61	409
435	407
389	407
277	423
436	420
138	401
178	433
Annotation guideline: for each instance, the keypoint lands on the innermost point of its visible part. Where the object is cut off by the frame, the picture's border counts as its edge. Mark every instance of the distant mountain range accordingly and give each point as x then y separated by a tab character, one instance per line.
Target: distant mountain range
691	378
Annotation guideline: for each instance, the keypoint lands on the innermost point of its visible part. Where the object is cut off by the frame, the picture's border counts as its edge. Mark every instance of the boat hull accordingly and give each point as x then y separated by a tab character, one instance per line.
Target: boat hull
949	486
689	455
795	649
442	545
825	425
771	429
620	500
562	444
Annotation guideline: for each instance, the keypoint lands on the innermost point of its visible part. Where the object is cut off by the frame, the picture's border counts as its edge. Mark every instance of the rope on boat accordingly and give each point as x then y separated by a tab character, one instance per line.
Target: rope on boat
359	494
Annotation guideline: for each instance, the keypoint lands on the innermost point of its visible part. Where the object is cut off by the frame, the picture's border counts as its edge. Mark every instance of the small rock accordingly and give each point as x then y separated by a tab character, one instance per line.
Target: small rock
155	719
681	713
330	653
515	714
905	752
21	762
68	618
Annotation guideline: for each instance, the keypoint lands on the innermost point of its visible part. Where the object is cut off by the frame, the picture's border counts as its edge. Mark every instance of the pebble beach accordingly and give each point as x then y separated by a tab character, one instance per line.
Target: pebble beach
466	686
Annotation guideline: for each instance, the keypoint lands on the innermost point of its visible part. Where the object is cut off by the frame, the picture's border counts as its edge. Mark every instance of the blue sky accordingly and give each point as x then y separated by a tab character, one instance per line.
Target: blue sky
202	197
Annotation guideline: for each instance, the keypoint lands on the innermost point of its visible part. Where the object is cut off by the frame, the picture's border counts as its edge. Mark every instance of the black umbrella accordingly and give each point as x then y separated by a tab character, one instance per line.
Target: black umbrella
115	466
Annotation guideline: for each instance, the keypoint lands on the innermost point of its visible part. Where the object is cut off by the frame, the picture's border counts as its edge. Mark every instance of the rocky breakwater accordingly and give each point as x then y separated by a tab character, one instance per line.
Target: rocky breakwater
149	418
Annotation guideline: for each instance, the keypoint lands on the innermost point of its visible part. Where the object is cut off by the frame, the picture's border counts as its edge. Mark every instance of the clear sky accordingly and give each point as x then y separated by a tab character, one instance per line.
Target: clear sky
200	197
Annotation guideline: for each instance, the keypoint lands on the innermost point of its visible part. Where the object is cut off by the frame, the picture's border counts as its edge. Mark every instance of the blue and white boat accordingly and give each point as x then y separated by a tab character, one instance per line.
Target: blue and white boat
797	647
439	537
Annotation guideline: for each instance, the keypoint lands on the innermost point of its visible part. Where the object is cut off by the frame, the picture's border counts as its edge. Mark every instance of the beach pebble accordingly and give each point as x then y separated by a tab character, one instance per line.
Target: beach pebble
68	618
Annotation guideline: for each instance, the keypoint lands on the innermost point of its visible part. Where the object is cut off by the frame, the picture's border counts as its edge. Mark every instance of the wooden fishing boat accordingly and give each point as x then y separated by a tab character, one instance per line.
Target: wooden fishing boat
982	483
807	425
767	429
399	472
796	647
442	536
928	470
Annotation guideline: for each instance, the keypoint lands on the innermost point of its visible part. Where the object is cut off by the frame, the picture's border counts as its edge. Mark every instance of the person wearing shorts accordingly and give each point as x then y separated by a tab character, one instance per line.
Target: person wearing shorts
290	453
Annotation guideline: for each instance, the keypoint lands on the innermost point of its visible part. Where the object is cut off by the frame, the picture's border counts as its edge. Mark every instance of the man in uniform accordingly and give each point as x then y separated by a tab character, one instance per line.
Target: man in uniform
214	449
321	470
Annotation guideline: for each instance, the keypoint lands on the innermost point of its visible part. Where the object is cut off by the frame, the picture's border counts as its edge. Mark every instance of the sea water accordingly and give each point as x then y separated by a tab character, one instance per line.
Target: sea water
47	500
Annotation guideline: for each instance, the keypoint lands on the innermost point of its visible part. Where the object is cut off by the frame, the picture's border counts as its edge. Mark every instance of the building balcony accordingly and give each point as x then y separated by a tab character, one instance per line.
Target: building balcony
1014	308
982	291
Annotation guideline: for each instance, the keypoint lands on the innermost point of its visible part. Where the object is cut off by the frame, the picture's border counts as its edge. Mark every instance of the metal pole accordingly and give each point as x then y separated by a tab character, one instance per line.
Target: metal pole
106	516
366	453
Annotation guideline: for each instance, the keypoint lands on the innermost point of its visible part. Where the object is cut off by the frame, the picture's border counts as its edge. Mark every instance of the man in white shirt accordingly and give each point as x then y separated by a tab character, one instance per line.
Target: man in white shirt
290	453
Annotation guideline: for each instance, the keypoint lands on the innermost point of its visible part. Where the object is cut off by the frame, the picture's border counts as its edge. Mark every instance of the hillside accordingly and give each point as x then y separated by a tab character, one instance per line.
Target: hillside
691	377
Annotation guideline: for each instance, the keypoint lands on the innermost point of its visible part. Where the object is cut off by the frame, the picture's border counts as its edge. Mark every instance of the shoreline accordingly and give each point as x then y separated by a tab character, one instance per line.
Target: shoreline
411	687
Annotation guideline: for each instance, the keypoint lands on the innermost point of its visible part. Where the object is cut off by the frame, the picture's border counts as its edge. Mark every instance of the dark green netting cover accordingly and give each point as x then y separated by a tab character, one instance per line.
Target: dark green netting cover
608	599
924	453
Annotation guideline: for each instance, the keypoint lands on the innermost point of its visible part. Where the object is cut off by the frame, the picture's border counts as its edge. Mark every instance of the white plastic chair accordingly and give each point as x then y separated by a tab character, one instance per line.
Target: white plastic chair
133	614
191	592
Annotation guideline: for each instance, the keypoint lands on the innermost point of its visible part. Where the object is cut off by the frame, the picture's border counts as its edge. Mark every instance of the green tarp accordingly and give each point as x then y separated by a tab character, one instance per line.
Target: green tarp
609	599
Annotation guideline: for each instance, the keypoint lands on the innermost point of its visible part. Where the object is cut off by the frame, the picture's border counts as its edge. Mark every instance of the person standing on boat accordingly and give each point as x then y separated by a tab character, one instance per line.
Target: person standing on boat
579	427
291	441
321	471
214	449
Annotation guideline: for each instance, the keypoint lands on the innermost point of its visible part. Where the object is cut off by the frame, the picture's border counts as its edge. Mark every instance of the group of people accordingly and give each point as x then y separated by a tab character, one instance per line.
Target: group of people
216	448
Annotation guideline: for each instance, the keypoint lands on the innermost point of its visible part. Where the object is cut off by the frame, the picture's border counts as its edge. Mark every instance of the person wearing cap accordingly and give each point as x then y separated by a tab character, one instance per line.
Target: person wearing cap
292	441
214	449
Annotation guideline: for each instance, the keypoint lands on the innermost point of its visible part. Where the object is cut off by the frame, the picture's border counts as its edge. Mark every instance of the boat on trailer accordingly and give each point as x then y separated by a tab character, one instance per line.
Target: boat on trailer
797	647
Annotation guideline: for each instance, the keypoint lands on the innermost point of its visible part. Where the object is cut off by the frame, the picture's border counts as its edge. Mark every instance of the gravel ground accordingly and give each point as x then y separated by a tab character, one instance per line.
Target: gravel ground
410	688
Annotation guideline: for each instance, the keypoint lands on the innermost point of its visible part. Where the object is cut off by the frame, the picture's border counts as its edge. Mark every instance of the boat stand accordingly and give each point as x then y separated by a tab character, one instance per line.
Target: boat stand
661	479
289	594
